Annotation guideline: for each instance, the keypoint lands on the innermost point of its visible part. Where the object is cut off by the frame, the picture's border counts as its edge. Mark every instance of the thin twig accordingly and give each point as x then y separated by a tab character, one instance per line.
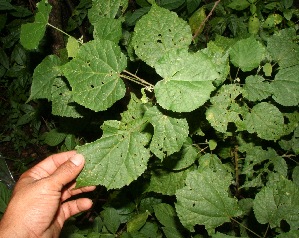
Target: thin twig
246	227
56	28
204	22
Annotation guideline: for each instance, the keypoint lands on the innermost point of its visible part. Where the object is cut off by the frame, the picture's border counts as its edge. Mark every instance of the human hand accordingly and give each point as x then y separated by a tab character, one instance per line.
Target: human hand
38	206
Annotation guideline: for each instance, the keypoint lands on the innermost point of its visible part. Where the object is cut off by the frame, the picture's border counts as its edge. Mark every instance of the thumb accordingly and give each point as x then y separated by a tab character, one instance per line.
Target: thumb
68	171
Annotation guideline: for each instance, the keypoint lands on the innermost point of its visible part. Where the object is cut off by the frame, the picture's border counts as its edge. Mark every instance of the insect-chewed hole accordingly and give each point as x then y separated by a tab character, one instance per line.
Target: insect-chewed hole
92	86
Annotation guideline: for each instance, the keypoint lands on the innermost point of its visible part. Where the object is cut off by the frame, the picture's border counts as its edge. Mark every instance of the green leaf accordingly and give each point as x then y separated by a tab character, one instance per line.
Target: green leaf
188	81
184	158
283	49
171	4
6	5
111	219
108	29
167	182
62	100
169	132
44	76
72	47
266	120
278	202
32	33
197	19
247	54
239	5
259	162
114	160
5	195
4	60
224	109
256	88
137	222
192	5
295	175
286	86
205	200
107	9
94	74
54	137
290	234
159	32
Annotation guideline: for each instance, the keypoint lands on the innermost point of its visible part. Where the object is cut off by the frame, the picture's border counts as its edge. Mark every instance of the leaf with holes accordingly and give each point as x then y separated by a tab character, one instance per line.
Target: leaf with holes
205	200
286	86
278	202
107	9
94	74
224	109
44	76
188	80
159	32
247	54
170	132
116	159
62	100
32	33
266	120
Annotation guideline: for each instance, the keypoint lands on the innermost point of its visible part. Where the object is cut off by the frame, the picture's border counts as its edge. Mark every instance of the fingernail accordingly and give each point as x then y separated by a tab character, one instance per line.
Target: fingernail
77	159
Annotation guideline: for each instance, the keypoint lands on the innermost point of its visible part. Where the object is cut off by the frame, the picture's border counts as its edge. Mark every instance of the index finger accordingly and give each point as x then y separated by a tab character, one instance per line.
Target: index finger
49	165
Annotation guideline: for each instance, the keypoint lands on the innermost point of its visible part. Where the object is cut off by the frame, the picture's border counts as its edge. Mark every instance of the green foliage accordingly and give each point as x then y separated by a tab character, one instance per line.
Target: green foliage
209	133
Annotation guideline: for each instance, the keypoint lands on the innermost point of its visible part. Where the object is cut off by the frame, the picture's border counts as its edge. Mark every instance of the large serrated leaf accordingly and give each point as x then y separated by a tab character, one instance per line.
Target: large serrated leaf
187	82
44	76
247	54
278	202
114	160
159	32
256	88
286	86
224	109
94	74
205	200
266	120
32	33
169	132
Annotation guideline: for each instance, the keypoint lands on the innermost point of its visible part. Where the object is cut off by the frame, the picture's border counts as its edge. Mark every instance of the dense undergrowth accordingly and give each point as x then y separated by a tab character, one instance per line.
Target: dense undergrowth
185	110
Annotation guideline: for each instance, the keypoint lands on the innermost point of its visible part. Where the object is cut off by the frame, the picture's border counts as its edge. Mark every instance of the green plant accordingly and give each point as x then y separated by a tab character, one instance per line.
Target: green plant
211	139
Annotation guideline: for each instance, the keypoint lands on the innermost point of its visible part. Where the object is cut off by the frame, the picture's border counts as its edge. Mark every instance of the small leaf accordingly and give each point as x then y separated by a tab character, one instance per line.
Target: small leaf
212	144
169	132
187	82
137	222
111	219
32	33
239	5
5	195
286	86
72	47
256	88
114	160
54	137
158	32
197	19
267	68
167	182
224	109
44	76
205	200
94	74
266	120
247	54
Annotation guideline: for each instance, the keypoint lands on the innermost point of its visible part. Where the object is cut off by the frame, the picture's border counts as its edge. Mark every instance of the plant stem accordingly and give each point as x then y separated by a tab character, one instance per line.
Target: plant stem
61	31
246	228
134	78
204	22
